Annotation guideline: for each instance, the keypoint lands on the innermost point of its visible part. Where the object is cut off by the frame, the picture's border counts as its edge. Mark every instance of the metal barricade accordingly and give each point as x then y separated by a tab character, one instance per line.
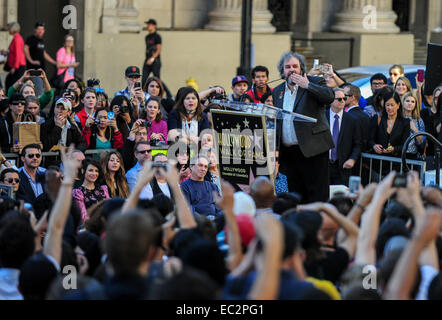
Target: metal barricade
391	160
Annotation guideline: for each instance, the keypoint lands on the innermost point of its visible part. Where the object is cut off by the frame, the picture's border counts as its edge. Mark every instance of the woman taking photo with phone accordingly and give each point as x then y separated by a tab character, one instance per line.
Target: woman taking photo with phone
92	190
102	132
26	79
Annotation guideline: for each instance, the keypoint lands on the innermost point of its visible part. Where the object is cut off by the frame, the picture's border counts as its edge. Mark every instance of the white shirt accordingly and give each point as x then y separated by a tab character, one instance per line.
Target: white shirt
192	129
165	188
289	137
332	123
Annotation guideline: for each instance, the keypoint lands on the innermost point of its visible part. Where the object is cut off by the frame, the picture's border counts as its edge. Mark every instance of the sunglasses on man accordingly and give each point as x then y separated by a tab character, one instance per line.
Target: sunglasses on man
16	103
12	180
341	99
32	155
144	151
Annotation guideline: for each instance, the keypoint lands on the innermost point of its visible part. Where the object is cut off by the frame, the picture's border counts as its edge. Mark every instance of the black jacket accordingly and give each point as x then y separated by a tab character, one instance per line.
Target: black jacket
364	126
50	135
313	138
349	141
7	132
25	191
399	134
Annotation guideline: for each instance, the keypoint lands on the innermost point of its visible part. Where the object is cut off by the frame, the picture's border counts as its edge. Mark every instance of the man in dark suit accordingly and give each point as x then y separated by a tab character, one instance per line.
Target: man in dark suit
303	146
32	177
346	136
353	95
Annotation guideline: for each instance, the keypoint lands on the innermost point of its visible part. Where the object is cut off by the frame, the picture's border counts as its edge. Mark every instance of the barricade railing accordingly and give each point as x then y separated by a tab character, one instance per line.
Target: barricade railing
368	163
52	154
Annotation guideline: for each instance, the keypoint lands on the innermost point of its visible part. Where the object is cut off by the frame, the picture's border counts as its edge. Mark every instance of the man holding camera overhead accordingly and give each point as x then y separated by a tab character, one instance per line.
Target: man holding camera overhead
134	91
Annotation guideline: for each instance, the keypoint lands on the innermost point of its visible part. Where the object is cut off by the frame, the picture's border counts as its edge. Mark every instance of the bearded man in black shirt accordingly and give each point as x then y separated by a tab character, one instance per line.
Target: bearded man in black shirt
153	50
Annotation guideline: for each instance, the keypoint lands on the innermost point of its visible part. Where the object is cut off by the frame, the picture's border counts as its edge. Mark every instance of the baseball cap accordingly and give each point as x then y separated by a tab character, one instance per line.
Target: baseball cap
243	203
151	21
65	102
132	71
246	228
239	79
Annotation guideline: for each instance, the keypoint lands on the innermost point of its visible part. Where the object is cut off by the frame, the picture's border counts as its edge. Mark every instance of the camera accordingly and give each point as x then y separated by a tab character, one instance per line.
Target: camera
400	181
93	82
147	124
124	109
97	121
35	73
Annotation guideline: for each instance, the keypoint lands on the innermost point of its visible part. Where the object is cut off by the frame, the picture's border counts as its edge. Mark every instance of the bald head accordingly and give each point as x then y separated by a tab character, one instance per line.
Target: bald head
262	193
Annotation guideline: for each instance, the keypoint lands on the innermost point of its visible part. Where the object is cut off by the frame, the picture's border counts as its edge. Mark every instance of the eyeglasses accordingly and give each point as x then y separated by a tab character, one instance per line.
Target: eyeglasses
141	133
13	180
18	103
36	155
341	99
144	151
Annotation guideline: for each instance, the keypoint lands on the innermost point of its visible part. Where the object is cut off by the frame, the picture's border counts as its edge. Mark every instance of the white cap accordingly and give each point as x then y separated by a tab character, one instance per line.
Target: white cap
65	102
243	204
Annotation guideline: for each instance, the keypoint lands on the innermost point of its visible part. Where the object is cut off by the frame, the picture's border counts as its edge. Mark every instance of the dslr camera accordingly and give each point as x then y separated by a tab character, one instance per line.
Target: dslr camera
147	124
93	82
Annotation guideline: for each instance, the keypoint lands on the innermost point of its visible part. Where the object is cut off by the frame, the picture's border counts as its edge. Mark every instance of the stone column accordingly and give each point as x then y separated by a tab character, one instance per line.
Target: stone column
358	16
110	22
226	16
128	15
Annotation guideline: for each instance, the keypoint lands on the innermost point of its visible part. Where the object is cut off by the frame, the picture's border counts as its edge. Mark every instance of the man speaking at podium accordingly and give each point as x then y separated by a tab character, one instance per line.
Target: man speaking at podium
304	147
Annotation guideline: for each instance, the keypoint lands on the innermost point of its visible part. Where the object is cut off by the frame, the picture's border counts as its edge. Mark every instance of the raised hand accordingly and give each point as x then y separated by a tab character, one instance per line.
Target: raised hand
70	164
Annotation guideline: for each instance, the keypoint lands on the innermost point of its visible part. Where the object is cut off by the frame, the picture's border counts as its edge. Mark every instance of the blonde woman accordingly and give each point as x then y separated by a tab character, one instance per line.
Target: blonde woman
411	110
66	63
402	86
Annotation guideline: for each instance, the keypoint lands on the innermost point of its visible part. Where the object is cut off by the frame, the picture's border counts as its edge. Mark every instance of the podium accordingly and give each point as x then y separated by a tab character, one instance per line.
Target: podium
241	126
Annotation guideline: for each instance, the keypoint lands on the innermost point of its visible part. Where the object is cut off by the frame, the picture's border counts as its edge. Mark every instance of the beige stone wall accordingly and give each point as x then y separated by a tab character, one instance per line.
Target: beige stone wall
210	57
369	49
386	49
188	13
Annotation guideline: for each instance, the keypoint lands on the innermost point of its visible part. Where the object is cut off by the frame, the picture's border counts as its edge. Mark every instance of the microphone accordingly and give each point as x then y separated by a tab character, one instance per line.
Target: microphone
261	86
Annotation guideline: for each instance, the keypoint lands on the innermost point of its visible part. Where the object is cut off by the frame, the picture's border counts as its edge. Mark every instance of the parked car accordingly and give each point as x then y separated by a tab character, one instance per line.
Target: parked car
360	76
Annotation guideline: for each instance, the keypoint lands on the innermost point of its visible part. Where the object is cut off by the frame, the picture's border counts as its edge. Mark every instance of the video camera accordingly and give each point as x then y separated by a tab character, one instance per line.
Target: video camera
93	82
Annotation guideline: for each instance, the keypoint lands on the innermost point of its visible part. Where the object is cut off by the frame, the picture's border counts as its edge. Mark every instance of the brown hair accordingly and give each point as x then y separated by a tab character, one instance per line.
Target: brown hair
407	83
159	116
179	106
157	80
120	175
416	113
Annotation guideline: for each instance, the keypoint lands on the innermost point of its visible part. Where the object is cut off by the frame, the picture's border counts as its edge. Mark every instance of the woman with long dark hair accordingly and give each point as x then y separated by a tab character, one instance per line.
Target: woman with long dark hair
157	131
102	132
92	190
393	129
187	117
114	174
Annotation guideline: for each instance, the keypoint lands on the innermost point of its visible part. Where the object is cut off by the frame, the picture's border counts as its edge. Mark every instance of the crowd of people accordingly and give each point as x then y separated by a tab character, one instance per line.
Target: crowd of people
137	221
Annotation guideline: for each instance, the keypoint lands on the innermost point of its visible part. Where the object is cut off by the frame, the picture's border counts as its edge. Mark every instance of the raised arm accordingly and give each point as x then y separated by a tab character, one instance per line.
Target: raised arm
403	278
60	211
366	250
270	232
145	176
234	239
185	216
